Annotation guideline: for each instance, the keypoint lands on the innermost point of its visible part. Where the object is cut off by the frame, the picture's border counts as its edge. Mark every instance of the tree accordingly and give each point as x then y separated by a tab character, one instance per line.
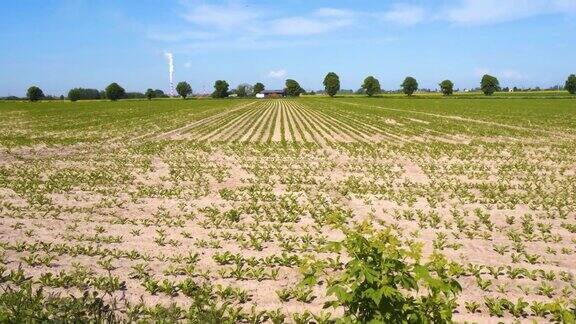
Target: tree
159	94
570	84
489	84
447	87
258	87
83	94
183	89
220	89
134	95
331	84
150	93
293	88
244	90
371	86
34	93
76	94
114	91
409	85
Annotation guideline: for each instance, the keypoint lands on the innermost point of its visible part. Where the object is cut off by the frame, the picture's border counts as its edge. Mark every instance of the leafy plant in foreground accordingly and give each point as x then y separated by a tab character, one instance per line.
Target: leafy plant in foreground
24	304
384	282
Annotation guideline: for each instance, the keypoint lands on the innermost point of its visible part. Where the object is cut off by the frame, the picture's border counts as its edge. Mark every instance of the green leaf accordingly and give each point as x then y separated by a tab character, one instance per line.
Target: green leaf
375	295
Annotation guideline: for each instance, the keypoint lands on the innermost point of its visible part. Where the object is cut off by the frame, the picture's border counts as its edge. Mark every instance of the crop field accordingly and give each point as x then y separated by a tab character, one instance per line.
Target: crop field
269	210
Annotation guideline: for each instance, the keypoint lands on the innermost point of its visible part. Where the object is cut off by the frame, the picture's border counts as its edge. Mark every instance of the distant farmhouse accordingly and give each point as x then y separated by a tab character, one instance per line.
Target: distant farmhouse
271	94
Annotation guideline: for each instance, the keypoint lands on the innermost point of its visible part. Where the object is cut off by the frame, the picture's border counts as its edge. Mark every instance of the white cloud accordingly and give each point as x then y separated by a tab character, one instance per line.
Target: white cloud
480	71
244	43
482	12
188	65
335	13
404	14
235	24
508	74
180	36
321	21
277	74
228	16
512	74
305	26
237	18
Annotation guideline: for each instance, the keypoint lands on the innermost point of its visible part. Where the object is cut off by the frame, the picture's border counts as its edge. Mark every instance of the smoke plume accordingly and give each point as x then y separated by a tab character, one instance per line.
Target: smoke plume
170	58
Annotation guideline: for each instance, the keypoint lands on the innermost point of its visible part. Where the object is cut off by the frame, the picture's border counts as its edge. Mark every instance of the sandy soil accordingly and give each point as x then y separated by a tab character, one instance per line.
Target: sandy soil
479	201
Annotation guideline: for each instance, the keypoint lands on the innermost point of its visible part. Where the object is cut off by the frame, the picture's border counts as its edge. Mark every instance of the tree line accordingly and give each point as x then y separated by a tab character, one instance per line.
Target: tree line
488	84
113	92
95	94
370	87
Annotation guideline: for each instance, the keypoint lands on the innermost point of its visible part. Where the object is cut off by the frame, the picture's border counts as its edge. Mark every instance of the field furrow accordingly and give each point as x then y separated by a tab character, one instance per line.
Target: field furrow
319	125
224	131
209	129
234	131
257	126
277	128
296	134
331	126
251	210
307	128
208	120
268	127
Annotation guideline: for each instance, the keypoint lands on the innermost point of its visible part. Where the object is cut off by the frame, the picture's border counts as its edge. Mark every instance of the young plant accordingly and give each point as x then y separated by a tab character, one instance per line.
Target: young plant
379	281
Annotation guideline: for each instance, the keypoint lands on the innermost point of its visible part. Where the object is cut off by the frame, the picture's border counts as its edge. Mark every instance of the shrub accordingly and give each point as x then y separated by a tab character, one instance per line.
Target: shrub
386	283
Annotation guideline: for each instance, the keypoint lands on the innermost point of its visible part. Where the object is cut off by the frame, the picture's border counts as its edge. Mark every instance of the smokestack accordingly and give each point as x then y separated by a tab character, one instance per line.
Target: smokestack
170	58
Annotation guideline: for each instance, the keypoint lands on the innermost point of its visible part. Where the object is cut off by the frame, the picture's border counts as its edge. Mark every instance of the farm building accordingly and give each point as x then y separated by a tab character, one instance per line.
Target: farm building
271	94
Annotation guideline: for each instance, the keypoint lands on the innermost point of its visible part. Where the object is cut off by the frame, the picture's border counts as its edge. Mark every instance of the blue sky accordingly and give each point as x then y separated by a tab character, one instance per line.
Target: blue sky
60	44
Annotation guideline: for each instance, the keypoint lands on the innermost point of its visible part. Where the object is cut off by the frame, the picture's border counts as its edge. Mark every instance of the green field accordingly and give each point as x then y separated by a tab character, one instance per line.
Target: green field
229	210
